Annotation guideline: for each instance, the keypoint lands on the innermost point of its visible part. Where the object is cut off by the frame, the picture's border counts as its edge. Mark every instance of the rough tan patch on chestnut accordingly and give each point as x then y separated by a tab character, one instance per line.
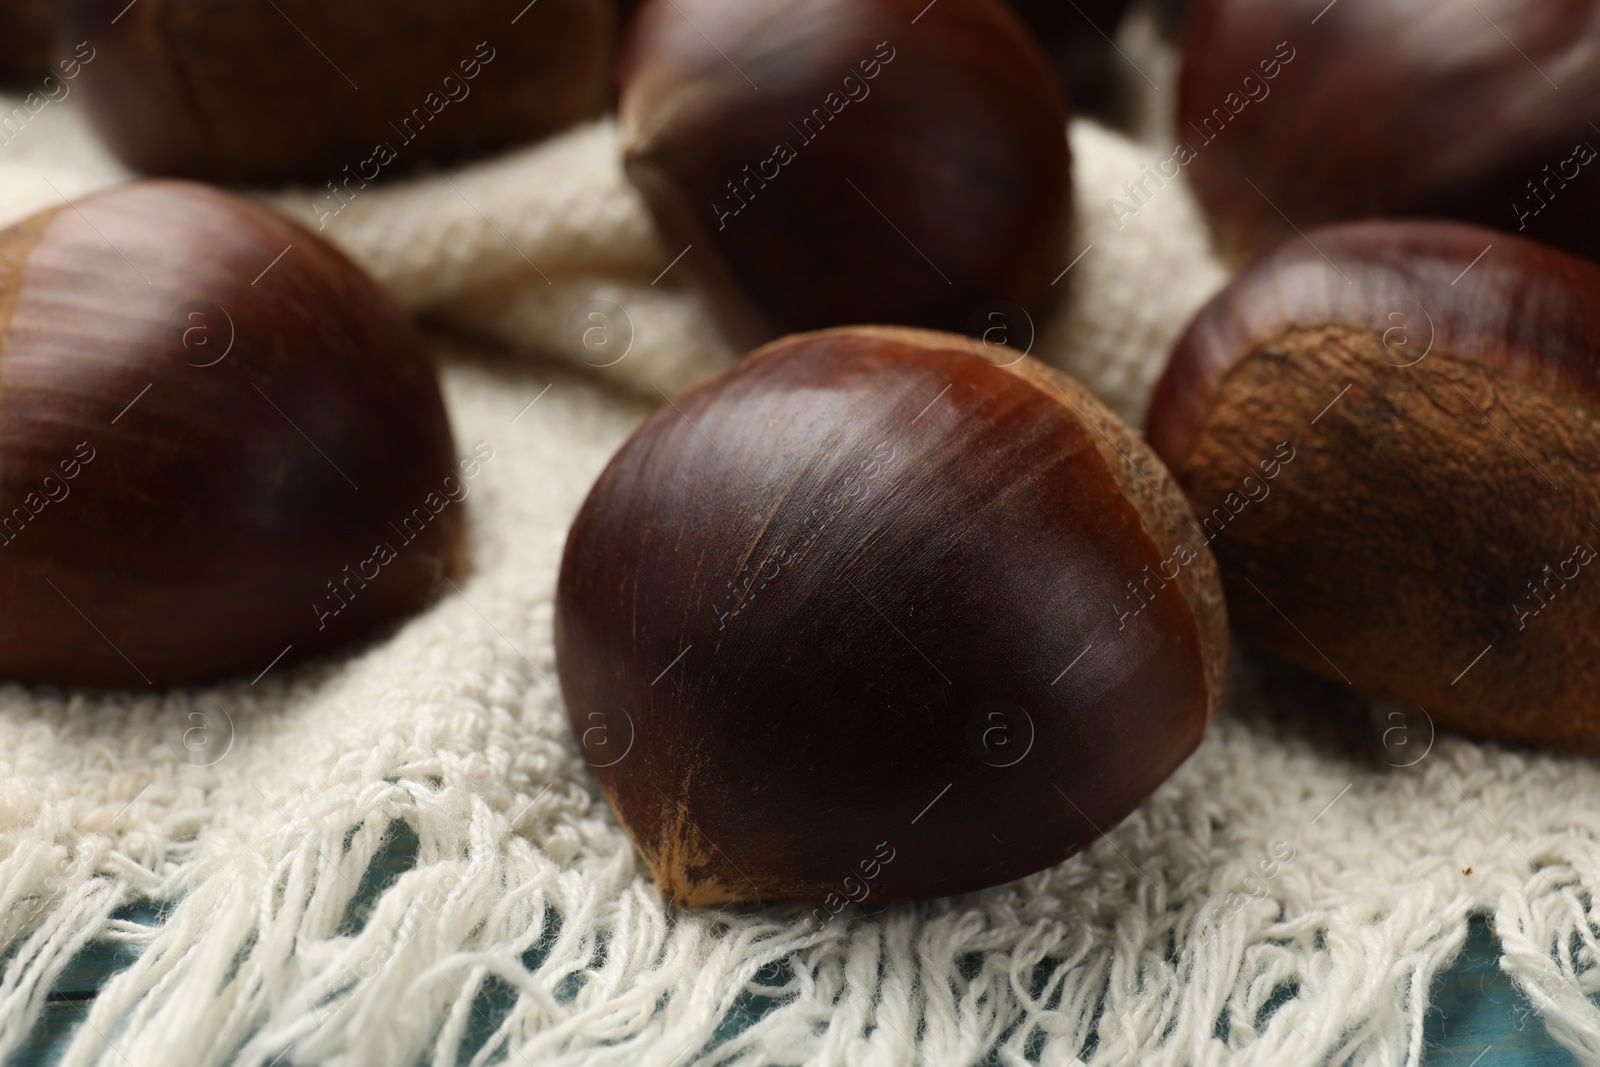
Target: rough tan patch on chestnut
1401	541
686	867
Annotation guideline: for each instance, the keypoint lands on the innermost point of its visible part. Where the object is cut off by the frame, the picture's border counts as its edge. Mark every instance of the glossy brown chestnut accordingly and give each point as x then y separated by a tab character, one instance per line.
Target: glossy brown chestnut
338	93
1394	107
25	27
1390	434
870	615
210	420
843	161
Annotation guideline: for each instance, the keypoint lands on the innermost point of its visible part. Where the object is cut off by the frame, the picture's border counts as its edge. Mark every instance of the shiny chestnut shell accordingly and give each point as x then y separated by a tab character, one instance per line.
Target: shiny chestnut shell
1390	434
868	594
209	420
303	89
846	161
1476	111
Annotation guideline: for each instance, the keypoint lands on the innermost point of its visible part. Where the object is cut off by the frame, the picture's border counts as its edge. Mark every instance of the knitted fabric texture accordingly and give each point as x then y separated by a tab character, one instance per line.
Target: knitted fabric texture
1286	898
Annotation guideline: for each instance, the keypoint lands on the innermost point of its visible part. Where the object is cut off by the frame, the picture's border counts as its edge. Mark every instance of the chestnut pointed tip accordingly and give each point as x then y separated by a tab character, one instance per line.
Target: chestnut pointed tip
682	870
688	868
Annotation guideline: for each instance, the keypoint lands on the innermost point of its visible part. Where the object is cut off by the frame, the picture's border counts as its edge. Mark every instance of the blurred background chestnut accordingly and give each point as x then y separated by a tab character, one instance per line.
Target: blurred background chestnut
1077	38
314	91
25	38
1487	111
843	161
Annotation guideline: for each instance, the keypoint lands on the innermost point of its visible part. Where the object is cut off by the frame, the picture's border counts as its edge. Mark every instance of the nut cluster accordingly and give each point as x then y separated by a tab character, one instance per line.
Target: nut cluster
875	614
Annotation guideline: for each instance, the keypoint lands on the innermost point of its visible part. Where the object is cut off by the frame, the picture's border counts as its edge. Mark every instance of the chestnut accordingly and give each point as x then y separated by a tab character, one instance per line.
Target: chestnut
221	444
1076	36
336	94
25	27
1301	112
1388	432
826	162
868	615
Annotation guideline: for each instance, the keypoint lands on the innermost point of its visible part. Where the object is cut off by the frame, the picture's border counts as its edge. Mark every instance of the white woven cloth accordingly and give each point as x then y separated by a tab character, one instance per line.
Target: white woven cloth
1285	899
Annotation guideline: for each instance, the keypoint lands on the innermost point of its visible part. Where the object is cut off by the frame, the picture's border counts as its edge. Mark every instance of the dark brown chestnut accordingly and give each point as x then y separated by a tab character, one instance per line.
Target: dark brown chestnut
871	616
334	93
1390	434
25	27
222	446
1076	36
1301	112
842	161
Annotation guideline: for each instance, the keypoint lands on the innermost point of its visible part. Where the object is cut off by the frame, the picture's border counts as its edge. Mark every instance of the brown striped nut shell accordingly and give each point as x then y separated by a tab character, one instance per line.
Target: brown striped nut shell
847	161
336	95
1298	113
221	444
870	617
